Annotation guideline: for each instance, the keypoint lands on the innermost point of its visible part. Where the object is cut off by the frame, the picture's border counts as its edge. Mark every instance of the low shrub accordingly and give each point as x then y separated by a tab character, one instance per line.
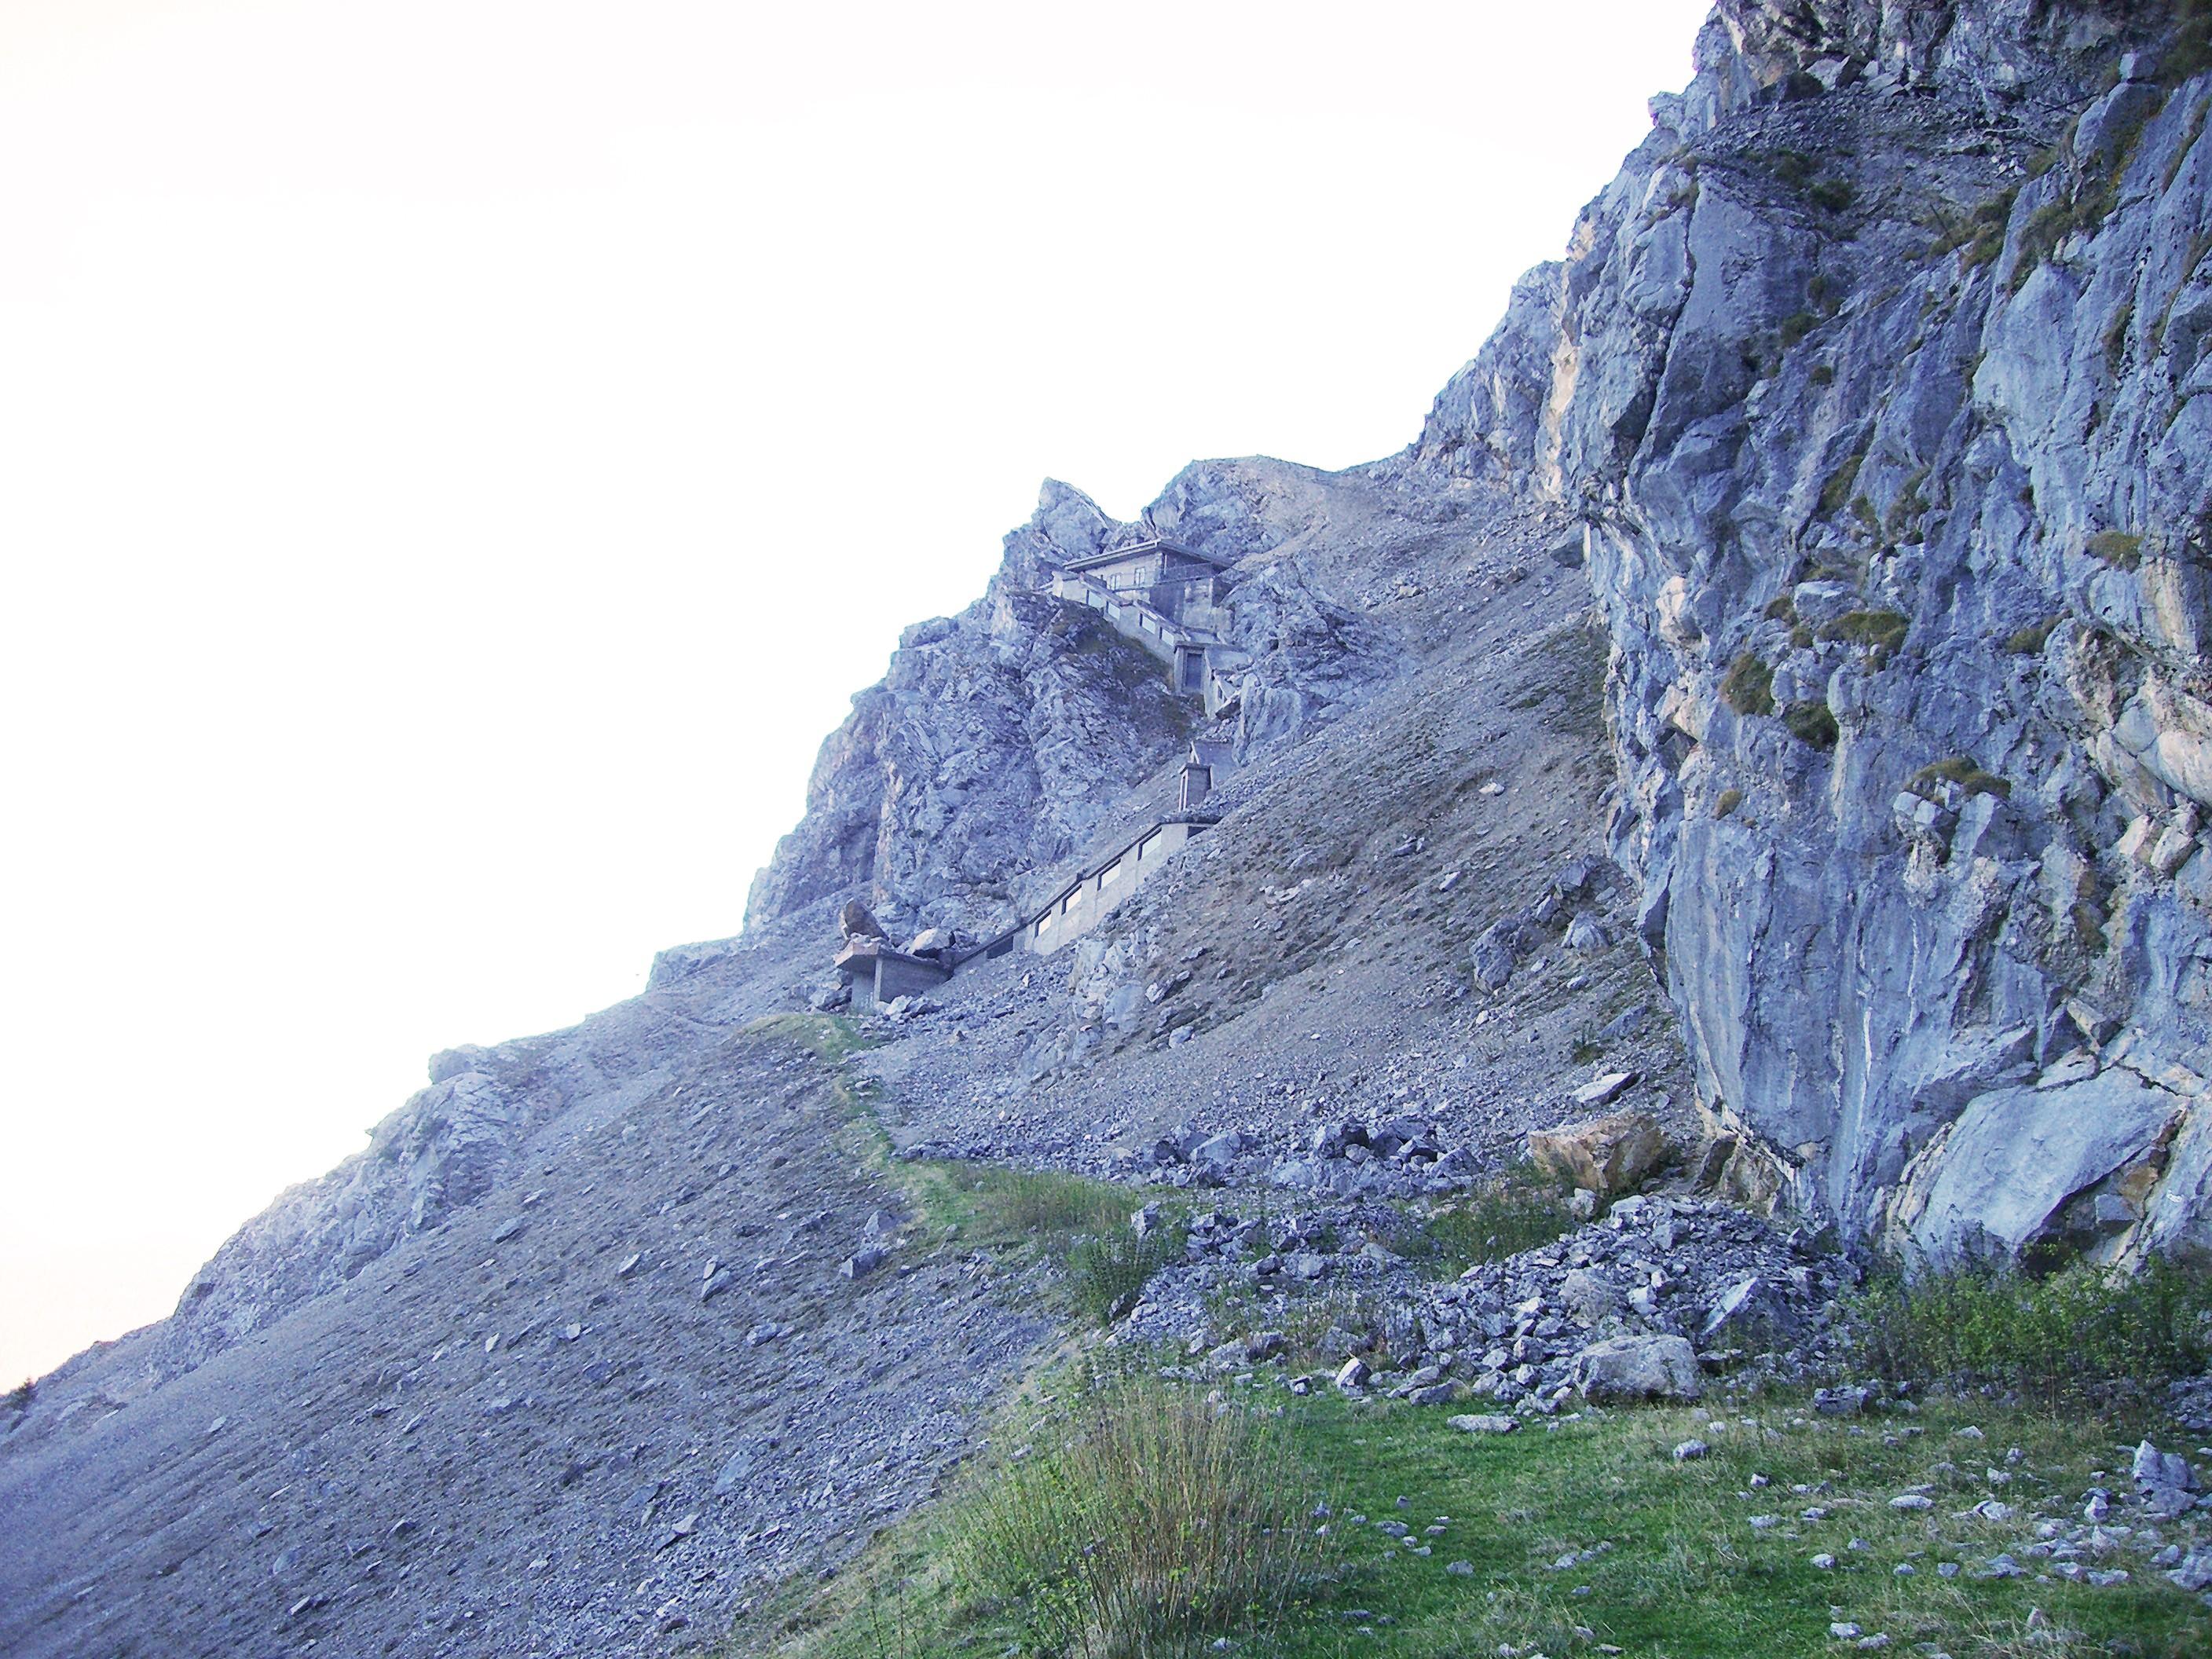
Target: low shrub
1151	1523
1836	488
1727	801
2030	641
2066	1335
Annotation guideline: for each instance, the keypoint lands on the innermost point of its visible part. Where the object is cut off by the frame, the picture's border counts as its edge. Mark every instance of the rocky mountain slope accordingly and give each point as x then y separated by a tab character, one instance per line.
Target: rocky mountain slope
1878	377
1766	695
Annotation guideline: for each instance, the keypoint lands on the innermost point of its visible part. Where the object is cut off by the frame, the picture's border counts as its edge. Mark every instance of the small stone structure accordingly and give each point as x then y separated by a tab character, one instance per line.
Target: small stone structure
1169	600
878	973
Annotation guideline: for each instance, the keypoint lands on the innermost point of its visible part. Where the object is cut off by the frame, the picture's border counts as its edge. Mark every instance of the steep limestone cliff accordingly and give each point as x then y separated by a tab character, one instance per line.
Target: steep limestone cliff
1878	380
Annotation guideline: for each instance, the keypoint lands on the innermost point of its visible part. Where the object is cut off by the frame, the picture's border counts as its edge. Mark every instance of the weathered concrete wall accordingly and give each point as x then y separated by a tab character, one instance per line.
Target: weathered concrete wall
1084	906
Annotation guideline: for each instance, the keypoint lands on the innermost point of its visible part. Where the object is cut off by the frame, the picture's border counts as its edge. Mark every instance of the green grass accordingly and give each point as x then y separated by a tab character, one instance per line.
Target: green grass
1499	1218
2117	548
1881	631
1812	723
2029	641
1148	1521
1665	1562
1727	802
1961	769
1106	1273
827	1036
2072	1334
1748	686
1833	195
1080	1226
1836	488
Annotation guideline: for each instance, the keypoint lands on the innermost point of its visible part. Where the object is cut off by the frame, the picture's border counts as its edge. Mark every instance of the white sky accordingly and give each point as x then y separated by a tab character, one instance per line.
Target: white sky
459	456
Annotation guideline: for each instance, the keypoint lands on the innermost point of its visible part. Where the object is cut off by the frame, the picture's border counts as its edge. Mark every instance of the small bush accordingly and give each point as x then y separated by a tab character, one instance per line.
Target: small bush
1729	800
1812	723
2030	641
1748	687
2067	1335
1822	374
1079	1225
2117	548
1154	1522
1780	608
1796	327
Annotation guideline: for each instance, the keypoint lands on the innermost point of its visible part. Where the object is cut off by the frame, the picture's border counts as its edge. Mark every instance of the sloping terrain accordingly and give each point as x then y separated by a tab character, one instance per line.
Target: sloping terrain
1764	696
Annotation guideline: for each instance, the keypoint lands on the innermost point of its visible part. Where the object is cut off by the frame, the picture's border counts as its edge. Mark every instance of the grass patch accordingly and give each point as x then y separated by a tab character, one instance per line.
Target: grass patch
2067	1337
1812	723
2029	641
2117	548
1106	1273
1079	1225
1748	686
1500	1219
1150	1521
1583	1533
1835	488
1960	770
833	1037
1727	802
1879	630
1833	195
1982	232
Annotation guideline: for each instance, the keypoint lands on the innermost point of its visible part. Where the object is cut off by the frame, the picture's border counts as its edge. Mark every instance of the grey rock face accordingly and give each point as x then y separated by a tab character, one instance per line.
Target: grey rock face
1895	458
998	742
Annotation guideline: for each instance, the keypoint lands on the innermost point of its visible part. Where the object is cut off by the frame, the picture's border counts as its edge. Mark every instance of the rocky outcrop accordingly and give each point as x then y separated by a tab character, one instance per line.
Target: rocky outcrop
1001	739
1877	380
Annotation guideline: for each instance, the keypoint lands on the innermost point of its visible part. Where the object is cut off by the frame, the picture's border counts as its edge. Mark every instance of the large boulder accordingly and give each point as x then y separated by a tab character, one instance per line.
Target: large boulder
2005	1176
1639	1368
1602	1155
